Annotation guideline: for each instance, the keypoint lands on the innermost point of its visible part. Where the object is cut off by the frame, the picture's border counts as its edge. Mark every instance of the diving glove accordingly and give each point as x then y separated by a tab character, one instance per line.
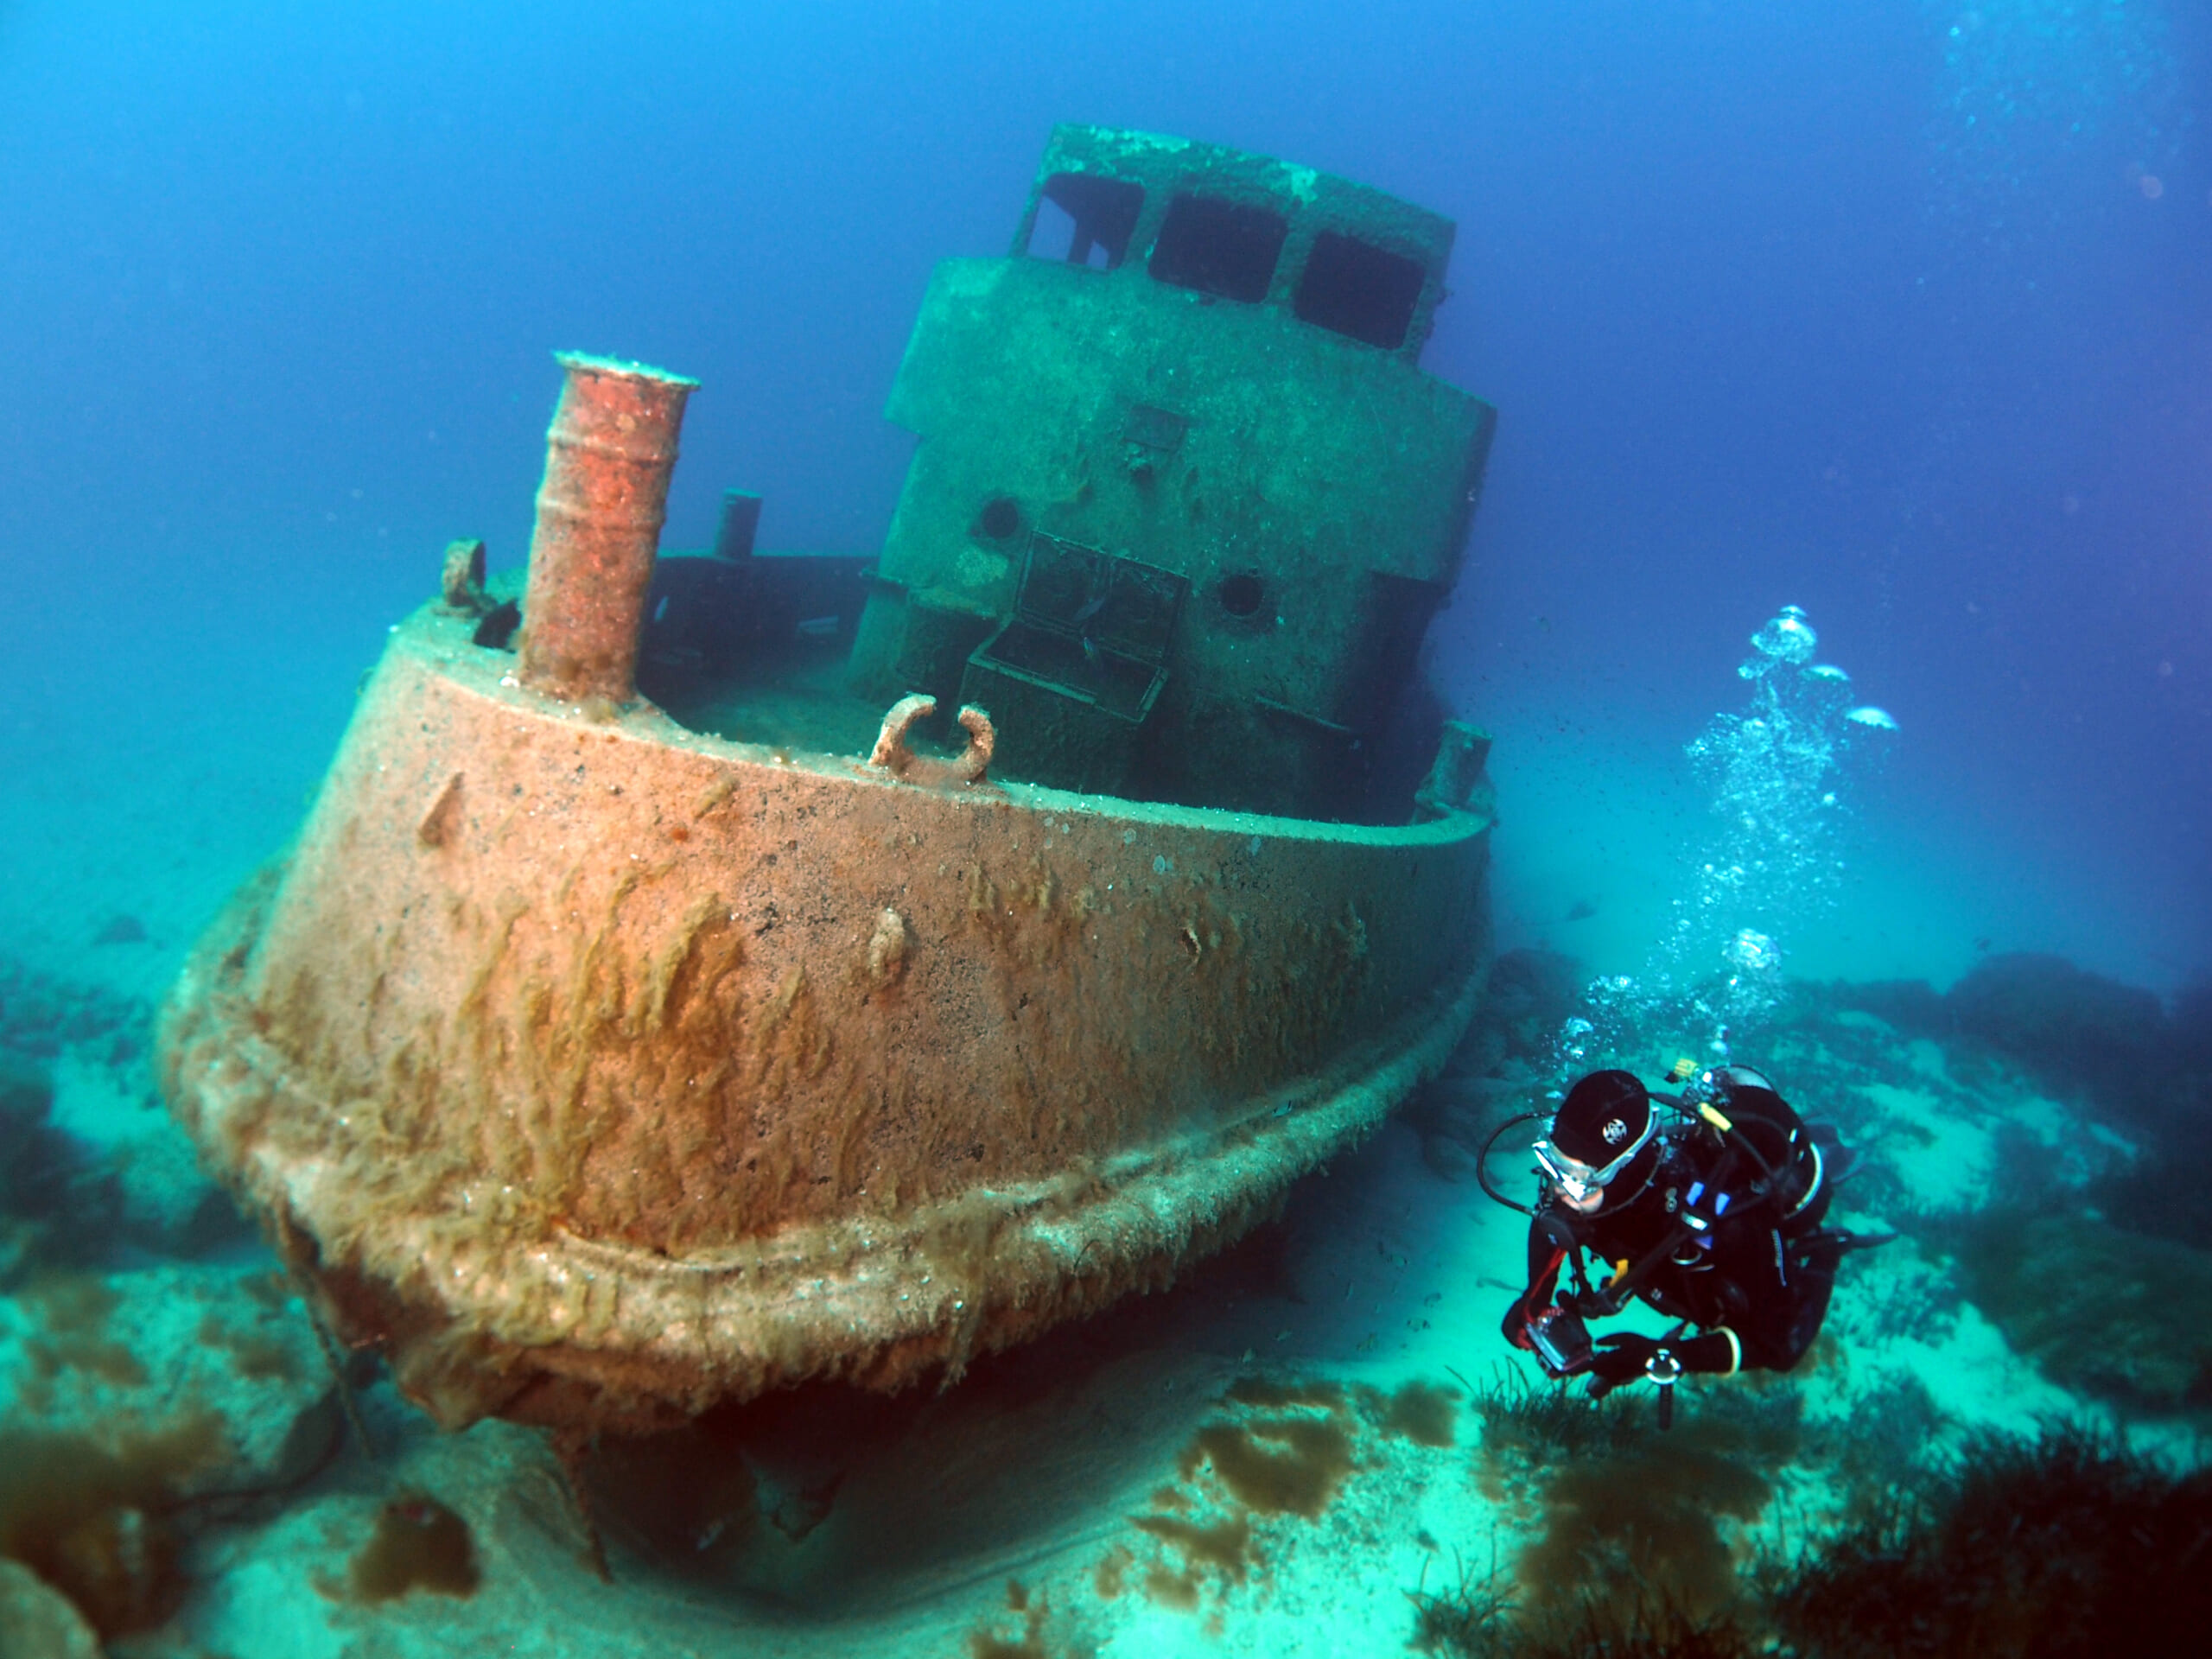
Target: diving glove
1626	1357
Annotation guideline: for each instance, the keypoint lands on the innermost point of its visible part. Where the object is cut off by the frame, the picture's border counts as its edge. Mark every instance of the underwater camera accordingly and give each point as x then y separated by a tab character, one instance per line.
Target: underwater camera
1561	1341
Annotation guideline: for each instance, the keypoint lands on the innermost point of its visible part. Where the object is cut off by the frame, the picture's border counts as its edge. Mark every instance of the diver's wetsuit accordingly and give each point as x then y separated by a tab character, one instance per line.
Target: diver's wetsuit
1756	1281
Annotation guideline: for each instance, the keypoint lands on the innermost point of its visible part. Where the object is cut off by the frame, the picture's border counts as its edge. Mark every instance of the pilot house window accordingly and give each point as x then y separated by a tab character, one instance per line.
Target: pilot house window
1219	247
1085	219
1358	290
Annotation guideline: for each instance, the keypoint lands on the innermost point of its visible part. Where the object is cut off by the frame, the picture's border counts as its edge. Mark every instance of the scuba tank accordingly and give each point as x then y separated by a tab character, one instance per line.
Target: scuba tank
1771	1157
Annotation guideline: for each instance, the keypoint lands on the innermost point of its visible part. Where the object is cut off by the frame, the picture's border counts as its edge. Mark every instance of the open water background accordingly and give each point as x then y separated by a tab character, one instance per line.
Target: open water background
1898	311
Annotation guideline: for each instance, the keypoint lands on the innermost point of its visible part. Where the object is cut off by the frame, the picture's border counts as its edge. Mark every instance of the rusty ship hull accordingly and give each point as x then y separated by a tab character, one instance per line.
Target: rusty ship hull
626	1033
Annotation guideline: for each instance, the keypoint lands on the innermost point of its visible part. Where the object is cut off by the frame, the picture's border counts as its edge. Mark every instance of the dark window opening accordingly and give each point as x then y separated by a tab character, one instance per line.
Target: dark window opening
1053	236
1155	429
1359	290
1241	595
496	630
999	518
1115	603
1219	247
1084	220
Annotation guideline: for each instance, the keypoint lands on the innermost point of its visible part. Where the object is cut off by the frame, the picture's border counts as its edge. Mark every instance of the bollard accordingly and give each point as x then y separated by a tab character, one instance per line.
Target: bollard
460	583
741	519
1455	783
608	455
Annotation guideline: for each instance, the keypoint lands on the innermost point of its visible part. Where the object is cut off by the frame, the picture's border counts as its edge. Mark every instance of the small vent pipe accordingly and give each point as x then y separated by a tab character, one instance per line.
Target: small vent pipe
608	456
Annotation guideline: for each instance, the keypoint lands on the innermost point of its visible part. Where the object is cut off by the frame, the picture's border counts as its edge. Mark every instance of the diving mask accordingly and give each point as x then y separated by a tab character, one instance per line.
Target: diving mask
1578	1180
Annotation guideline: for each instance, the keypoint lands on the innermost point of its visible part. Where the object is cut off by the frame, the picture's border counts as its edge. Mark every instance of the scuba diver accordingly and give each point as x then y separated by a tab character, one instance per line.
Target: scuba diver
1713	1219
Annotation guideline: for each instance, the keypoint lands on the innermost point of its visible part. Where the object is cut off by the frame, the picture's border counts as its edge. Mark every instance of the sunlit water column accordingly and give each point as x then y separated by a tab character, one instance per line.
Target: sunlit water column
1772	862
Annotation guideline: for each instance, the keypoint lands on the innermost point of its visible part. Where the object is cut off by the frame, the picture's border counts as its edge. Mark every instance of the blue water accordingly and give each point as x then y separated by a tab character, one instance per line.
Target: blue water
1895	310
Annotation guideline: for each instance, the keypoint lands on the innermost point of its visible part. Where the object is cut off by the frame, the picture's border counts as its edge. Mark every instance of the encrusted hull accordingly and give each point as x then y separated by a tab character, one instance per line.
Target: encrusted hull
601	1070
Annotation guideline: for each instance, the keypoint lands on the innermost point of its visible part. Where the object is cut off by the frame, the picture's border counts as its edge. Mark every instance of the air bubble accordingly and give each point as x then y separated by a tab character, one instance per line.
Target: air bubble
1773	770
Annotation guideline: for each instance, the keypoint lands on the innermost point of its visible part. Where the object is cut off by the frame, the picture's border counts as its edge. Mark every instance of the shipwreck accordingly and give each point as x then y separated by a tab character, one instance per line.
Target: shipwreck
703	972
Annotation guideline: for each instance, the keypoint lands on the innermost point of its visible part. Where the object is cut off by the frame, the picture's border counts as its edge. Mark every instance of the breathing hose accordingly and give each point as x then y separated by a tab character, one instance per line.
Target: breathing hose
1482	1159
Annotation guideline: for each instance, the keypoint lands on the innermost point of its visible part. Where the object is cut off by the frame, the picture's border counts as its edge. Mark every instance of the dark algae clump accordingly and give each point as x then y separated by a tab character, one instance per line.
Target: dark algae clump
99	1522
1030	1644
1224	1546
1290	1463
2065	1544
1427	1414
1277	1465
1280	1450
419	1544
1631	1526
2068	1544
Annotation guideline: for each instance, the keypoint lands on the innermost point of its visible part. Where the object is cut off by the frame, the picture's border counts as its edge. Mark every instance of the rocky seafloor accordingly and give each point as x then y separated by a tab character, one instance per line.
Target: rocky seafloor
1318	1443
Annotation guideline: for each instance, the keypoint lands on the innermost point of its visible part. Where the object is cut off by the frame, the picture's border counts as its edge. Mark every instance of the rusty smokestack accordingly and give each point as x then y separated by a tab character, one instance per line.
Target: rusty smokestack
608	455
